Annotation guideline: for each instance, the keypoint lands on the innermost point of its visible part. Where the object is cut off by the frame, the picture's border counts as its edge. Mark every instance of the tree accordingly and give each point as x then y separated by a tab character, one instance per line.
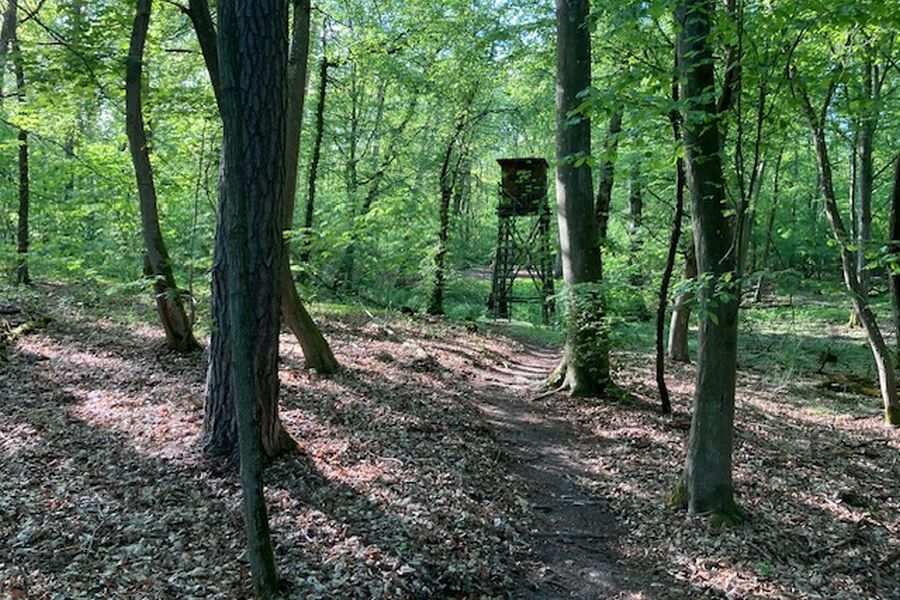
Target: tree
674	237
220	433
895	250
253	65
586	355
884	363
157	265
607	173
706	485
306	240
22	240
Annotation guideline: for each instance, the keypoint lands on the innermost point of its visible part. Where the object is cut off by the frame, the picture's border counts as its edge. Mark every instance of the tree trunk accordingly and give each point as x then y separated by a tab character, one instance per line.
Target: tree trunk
707	483
586	355
635	215
864	181
436	298
220	427
22	275
253	61
175	321
678	349
884	362
607	174
665	402
895	250
674	237
306	240
446	183
316	351
770	226
220	433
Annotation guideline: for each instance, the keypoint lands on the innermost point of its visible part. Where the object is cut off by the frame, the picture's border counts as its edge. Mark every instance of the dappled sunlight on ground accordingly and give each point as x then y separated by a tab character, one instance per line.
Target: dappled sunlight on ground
430	467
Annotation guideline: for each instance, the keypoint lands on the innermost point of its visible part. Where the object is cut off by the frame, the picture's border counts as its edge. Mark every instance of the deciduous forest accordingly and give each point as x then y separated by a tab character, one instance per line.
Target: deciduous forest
407	299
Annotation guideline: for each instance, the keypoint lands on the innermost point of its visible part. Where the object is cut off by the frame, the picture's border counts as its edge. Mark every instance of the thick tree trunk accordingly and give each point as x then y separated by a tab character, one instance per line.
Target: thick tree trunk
317	352
707	483
607	175
175	321
884	362
220	430
586	358
253	62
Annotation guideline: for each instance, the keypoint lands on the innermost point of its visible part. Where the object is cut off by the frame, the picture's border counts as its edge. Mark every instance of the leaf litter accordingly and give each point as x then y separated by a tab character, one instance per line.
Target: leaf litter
426	470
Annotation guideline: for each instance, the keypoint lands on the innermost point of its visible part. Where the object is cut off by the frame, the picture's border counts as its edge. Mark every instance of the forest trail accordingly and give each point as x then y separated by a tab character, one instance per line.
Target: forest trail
572	531
429	467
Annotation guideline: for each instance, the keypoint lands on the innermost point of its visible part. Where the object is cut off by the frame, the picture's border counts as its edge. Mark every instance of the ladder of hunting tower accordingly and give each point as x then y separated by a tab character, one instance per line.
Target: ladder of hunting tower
523	237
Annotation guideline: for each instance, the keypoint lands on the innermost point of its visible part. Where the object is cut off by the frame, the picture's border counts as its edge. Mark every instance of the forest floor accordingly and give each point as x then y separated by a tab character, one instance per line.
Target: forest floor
430	468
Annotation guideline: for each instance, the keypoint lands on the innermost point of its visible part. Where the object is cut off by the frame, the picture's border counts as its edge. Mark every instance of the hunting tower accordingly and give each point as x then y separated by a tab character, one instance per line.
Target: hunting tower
523	237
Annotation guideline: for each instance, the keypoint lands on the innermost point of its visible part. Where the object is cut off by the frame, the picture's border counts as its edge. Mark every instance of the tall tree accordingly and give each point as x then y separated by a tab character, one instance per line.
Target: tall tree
316	351
253	64
318	136
22	237
895	251
220	435
706	485
607	174
157	264
674	237
586	354
816	117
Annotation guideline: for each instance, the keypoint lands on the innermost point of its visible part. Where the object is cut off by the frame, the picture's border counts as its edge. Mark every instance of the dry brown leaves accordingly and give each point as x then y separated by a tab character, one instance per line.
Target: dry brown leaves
402	489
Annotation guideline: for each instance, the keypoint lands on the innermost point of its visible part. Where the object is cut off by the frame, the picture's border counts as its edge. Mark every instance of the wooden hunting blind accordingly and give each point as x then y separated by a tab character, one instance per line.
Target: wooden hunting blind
523	237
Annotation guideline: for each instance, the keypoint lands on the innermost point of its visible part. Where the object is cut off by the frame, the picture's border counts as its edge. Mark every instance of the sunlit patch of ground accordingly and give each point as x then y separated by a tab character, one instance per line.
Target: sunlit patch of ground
403	489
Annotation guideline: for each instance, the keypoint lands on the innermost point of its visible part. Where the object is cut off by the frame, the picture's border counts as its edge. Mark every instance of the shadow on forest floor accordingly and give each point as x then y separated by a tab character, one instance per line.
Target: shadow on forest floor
427	471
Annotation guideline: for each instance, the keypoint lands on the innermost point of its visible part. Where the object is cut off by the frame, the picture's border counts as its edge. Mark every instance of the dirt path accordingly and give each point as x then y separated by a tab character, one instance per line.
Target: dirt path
573	532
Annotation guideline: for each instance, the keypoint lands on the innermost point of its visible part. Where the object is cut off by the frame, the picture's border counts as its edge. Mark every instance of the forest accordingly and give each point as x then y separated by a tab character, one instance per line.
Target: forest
406	299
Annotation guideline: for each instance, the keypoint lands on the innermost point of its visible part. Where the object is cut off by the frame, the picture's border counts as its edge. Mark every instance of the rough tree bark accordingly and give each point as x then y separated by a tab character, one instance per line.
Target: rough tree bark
706	486
253	63
220	427
586	354
157	265
316	351
884	362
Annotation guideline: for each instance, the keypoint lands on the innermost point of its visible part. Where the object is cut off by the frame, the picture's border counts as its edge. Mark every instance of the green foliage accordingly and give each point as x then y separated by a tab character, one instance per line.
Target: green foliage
405	76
